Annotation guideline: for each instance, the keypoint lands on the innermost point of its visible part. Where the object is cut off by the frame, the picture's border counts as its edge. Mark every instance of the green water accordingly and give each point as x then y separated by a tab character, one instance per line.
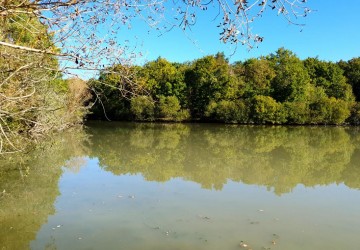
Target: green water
184	186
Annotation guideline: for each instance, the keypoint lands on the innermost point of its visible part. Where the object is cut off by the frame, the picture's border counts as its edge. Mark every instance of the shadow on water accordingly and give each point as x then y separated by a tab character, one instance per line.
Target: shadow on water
276	157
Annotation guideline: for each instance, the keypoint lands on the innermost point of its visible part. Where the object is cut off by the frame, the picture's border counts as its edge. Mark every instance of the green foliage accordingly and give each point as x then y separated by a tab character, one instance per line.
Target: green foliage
291	80
330	77
329	111
170	109
168	106
108	103
208	79
228	111
113	90
164	79
142	107
355	115
338	111
297	112
277	89
324	110
352	73
266	110
183	115
258	74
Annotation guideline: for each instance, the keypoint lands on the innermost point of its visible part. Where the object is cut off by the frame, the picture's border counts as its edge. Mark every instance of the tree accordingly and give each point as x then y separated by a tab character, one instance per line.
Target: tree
209	79
34	99
110	103
330	77
291	80
164	79
352	72
258	74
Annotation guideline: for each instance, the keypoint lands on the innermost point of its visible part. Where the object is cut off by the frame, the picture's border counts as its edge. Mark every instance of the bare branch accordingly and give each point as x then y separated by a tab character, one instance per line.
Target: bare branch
49	52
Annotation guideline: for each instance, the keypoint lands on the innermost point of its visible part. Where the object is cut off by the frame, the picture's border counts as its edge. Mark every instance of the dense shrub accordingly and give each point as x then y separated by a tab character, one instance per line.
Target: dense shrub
169	106
355	115
169	109
142	107
266	110
297	112
228	111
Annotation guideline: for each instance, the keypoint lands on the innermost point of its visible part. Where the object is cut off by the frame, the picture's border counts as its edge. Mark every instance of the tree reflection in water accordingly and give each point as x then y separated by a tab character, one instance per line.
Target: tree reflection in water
210	154
29	186
278	158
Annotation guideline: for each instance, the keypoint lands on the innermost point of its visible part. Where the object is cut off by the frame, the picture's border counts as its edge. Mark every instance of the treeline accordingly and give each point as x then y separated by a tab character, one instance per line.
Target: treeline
276	89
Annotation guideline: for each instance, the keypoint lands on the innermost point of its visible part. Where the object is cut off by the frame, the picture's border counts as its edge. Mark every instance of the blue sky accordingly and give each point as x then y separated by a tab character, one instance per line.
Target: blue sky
331	33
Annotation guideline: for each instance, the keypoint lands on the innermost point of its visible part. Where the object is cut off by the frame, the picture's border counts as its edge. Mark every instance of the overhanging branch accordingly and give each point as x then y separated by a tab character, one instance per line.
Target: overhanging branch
48	52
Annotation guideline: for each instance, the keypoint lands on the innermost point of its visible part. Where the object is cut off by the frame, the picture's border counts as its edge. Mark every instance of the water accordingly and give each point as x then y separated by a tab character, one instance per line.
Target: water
193	186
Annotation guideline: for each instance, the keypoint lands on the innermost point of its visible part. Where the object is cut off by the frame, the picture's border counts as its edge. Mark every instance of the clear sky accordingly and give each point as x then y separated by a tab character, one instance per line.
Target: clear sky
332	32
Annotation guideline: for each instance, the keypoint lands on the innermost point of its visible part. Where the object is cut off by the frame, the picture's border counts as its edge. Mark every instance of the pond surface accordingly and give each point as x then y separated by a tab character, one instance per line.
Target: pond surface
185	186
